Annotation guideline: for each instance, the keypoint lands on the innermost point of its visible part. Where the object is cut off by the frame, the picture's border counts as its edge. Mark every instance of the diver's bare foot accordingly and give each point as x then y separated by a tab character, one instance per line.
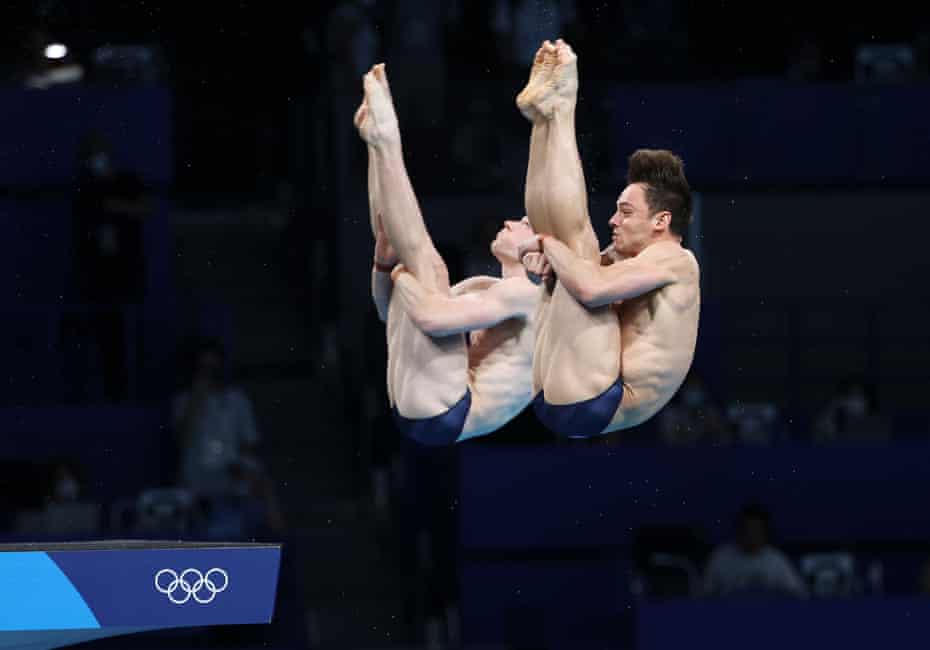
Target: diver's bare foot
558	92
543	63
363	122
378	120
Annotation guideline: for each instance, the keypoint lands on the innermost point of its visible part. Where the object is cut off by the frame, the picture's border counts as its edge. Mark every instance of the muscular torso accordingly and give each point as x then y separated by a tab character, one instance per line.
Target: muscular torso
577	352
647	341
500	365
425	376
659	332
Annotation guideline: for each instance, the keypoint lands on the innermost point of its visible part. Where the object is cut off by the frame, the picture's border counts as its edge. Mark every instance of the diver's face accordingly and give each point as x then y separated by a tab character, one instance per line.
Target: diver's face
632	225
509	238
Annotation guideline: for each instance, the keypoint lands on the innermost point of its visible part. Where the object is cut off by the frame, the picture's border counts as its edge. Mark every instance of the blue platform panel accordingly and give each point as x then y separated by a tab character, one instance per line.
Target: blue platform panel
97	589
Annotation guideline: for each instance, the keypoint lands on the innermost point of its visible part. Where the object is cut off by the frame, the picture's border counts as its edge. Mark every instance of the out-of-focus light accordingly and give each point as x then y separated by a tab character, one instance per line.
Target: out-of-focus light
56	51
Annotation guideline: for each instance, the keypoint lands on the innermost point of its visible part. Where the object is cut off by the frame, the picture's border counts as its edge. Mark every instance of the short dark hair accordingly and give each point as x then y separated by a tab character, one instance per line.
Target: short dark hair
663	174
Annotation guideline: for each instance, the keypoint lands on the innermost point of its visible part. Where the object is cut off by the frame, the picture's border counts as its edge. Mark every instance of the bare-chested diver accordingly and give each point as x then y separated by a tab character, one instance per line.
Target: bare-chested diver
616	339
442	390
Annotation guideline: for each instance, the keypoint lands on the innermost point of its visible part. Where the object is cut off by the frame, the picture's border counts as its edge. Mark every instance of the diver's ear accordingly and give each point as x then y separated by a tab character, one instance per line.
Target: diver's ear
662	220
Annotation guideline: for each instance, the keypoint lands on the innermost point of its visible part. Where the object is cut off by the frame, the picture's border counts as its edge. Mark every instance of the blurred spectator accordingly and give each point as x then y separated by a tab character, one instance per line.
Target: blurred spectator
750	564
165	511
109	207
754	423
65	511
666	559
806	60
693	416
66	486
215	425
852	413
892	63
128	63
832	574
217	435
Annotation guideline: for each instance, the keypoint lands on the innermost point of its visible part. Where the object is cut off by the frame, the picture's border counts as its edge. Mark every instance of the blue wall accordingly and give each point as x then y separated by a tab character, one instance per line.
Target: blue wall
546	533
774	132
41	129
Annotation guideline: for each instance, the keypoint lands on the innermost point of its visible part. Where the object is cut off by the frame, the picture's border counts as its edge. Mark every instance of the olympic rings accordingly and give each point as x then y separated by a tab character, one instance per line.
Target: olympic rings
191	588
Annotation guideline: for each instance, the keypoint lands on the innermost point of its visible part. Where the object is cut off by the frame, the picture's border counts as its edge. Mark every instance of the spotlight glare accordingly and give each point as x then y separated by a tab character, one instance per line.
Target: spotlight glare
56	51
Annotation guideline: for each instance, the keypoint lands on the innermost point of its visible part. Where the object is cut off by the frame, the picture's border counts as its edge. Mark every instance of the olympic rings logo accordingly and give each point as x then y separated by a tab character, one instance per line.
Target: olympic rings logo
191	583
